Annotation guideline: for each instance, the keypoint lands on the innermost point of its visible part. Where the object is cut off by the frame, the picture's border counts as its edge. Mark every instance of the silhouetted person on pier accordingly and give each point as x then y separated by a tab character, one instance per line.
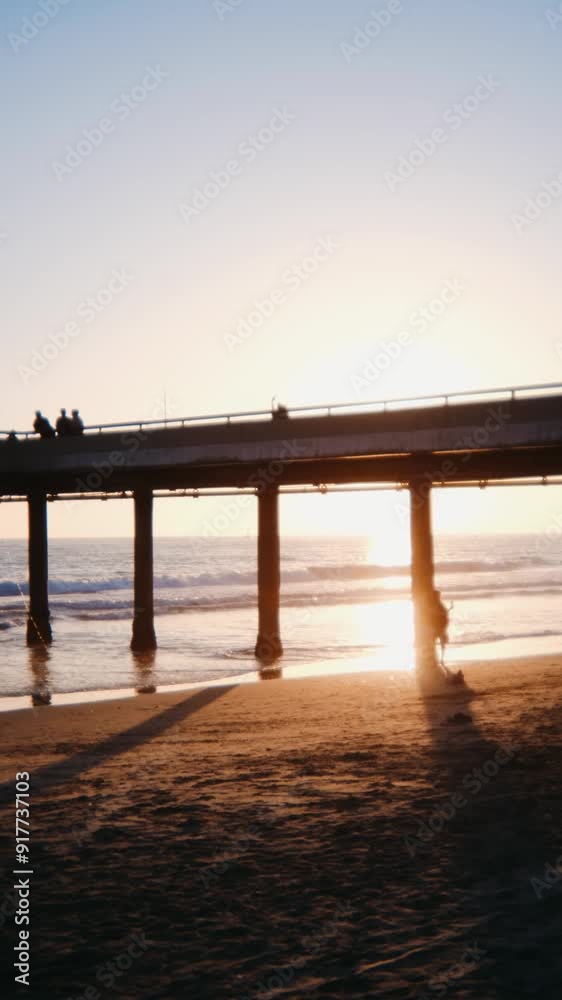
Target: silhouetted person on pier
64	424
77	423
279	412
42	426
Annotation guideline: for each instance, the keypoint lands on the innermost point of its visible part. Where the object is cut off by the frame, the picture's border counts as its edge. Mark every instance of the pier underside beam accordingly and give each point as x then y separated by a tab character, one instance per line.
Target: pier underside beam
38	622
268	645
144	636
423	584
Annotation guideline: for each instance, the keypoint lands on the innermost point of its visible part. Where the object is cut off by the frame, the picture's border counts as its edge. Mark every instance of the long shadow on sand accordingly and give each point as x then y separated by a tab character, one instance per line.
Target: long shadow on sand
123	742
485	854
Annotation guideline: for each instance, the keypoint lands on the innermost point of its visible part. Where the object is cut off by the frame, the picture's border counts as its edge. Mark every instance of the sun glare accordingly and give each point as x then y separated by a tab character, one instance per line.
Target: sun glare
387	624
390	546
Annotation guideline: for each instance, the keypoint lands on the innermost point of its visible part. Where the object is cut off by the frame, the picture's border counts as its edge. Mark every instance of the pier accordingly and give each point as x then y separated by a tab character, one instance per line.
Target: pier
492	437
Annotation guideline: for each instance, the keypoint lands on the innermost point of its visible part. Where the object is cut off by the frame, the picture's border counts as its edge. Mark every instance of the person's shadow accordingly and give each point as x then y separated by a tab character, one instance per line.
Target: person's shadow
487	851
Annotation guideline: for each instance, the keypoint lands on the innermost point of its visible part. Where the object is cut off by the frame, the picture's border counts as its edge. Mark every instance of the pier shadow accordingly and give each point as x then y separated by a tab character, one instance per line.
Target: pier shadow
488	850
55	774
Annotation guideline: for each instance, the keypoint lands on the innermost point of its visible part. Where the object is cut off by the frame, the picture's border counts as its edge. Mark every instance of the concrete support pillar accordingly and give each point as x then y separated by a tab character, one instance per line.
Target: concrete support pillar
143	621
38	622
423	585
268	645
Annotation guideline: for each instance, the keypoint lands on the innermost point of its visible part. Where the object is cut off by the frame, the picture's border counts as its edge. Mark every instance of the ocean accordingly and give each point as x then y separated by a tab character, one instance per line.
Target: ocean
341	609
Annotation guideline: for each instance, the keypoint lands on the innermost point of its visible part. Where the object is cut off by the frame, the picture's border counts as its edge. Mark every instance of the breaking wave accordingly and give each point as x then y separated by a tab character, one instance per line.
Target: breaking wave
305	574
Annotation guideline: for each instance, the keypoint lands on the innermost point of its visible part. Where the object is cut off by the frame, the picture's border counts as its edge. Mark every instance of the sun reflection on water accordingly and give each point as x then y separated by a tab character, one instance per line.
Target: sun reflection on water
387	624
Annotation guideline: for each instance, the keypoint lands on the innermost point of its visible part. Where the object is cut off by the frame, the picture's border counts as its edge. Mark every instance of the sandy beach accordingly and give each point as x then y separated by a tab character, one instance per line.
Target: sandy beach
319	838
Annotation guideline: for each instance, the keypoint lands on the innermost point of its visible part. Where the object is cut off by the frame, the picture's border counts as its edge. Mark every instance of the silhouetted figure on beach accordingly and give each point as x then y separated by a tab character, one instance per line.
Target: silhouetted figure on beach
439	617
77	423
64	424
12	436
42	426
440	623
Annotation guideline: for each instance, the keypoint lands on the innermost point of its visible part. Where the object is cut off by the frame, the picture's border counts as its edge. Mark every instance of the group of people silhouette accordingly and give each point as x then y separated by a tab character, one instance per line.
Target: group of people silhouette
65	426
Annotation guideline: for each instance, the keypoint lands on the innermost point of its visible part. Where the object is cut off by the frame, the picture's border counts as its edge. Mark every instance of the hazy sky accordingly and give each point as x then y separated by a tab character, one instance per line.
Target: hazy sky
115	115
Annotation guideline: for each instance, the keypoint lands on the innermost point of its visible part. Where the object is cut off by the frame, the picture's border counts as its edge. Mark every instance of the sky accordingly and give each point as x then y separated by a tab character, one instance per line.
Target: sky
172	168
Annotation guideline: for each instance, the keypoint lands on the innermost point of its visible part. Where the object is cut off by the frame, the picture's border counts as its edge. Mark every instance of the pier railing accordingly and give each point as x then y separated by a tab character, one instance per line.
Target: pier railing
326	409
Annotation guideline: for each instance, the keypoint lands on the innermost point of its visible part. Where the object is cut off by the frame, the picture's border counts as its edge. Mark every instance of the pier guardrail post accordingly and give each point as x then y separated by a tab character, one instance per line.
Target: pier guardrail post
38	621
423	585
268	645
144	636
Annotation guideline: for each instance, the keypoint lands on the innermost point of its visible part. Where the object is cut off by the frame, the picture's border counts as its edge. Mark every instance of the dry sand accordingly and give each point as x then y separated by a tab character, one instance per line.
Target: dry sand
260	840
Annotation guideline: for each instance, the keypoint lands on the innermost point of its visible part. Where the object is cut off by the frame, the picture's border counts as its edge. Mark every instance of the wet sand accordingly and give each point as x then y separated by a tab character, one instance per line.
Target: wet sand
319	838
